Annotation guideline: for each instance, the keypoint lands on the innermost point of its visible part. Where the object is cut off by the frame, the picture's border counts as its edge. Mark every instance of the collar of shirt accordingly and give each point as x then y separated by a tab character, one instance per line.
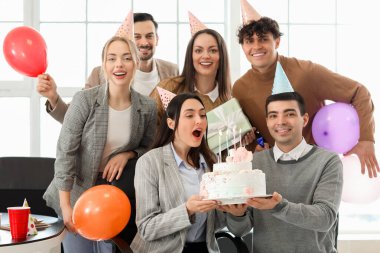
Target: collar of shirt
182	163
213	95
300	150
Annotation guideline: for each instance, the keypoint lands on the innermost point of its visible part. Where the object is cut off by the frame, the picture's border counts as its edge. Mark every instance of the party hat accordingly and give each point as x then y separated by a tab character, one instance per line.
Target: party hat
126	29
32	230
166	96
248	12
281	82
195	24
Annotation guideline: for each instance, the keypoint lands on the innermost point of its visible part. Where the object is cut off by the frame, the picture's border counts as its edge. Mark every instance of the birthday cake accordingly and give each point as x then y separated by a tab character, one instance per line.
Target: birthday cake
234	181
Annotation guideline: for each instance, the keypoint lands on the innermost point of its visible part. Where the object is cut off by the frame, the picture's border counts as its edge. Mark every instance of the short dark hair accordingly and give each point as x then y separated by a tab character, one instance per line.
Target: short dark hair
142	16
165	135
259	27
286	96
223	72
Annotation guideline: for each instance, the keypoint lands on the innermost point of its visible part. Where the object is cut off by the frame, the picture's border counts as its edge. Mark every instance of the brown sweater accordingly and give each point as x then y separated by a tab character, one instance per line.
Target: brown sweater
315	83
173	84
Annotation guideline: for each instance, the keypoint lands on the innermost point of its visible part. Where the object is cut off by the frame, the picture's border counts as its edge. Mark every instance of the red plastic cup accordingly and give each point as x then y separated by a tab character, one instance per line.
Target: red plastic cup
18	220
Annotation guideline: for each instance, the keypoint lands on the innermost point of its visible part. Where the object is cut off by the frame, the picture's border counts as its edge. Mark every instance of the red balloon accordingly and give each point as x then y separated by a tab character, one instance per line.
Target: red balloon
101	212
25	51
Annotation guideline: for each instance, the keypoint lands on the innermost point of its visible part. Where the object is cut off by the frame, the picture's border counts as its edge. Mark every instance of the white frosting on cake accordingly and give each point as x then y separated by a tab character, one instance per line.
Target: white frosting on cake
234	179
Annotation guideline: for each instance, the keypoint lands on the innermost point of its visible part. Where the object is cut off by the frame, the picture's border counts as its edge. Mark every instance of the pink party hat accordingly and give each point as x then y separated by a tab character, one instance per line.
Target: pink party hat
195	24
281	82
126	29
248	12
166	96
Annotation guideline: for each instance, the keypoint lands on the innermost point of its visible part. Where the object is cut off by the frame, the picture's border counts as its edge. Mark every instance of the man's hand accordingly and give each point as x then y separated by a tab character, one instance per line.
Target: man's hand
47	88
116	164
258	148
196	204
265	203
236	209
365	150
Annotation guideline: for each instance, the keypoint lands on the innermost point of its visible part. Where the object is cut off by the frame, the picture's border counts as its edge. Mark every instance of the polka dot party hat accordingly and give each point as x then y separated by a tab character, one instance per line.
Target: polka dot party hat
126	29
32	230
248	12
195	24
166	96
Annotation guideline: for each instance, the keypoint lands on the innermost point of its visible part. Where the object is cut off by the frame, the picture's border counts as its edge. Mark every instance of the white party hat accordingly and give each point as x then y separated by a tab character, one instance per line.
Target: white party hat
248	12
32	230
195	24
126	29
166	96
281	82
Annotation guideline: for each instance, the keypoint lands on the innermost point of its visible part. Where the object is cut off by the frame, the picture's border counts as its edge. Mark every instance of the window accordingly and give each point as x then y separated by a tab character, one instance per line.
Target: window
342	39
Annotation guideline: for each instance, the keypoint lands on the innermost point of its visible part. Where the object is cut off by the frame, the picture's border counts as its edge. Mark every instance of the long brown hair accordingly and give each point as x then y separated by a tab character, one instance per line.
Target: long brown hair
165	135
223	74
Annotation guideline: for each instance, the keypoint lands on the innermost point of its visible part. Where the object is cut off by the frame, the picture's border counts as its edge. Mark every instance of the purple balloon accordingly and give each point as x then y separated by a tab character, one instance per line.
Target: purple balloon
336	127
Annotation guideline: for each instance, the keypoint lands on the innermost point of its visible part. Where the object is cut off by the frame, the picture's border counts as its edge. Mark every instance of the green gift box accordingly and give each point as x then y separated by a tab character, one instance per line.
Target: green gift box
223	121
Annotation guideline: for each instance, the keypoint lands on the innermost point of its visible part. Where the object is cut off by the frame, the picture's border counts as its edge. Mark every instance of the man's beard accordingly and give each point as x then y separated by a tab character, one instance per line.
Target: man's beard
144	57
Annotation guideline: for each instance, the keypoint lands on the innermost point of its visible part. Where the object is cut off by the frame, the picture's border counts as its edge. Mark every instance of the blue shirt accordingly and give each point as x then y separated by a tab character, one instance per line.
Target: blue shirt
191	178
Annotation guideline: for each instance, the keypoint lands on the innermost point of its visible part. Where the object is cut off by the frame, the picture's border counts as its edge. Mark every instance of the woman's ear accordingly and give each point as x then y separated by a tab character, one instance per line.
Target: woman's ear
171	123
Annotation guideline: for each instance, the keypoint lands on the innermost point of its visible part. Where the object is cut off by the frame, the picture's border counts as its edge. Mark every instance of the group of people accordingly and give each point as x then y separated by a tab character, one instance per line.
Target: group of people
117	126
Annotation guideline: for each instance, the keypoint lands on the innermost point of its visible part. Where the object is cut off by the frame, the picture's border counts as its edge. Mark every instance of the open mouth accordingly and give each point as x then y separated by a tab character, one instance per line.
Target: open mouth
197	133
120	73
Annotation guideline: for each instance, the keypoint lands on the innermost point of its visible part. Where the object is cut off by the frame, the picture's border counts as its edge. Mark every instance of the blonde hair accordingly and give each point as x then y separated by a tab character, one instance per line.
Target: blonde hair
132	48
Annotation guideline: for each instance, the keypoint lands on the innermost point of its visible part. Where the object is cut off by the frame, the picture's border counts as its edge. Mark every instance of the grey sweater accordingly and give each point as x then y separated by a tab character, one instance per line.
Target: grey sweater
306	219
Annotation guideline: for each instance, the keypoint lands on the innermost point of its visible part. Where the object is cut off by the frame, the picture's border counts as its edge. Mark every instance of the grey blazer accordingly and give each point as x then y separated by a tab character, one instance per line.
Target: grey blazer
161	214
83	137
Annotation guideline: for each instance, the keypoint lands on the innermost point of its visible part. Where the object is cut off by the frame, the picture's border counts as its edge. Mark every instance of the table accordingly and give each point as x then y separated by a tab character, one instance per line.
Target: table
47	240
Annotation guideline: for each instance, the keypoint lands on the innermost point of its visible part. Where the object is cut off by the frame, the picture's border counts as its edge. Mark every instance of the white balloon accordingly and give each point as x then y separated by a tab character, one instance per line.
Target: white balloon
357	187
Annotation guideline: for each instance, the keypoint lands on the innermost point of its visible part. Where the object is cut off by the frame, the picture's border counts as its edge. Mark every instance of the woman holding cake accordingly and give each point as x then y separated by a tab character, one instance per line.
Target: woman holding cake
170	215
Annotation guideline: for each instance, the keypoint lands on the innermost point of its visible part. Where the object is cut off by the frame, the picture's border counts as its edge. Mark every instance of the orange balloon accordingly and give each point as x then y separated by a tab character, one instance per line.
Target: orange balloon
101	212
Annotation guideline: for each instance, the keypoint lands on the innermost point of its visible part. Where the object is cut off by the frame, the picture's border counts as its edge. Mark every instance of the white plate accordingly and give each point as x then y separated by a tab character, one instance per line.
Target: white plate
239	200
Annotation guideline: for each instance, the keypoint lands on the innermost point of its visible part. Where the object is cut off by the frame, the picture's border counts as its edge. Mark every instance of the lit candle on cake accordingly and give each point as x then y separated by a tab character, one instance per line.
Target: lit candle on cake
233	132
240	137
220	147
228	151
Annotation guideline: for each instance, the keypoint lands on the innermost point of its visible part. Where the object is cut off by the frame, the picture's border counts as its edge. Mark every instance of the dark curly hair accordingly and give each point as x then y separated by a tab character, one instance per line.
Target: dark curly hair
259	27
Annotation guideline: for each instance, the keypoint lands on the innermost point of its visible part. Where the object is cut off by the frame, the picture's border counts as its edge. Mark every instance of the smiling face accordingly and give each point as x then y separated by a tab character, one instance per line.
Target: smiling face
205	55
192	125
146	39
261	52
119	65
285	123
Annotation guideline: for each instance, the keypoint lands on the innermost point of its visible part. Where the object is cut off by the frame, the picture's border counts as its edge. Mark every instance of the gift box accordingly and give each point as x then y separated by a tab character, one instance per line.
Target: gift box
223	122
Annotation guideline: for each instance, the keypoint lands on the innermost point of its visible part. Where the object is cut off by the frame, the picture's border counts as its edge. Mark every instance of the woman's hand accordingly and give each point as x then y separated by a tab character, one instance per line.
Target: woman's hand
116	164
67	213
236	209
249	137
196	204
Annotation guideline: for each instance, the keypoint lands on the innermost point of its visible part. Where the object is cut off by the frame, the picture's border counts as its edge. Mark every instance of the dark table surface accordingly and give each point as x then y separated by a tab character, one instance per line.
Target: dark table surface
56	228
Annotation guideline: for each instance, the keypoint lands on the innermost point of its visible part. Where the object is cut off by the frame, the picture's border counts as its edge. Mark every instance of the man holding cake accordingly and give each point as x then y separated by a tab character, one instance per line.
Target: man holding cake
303	218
